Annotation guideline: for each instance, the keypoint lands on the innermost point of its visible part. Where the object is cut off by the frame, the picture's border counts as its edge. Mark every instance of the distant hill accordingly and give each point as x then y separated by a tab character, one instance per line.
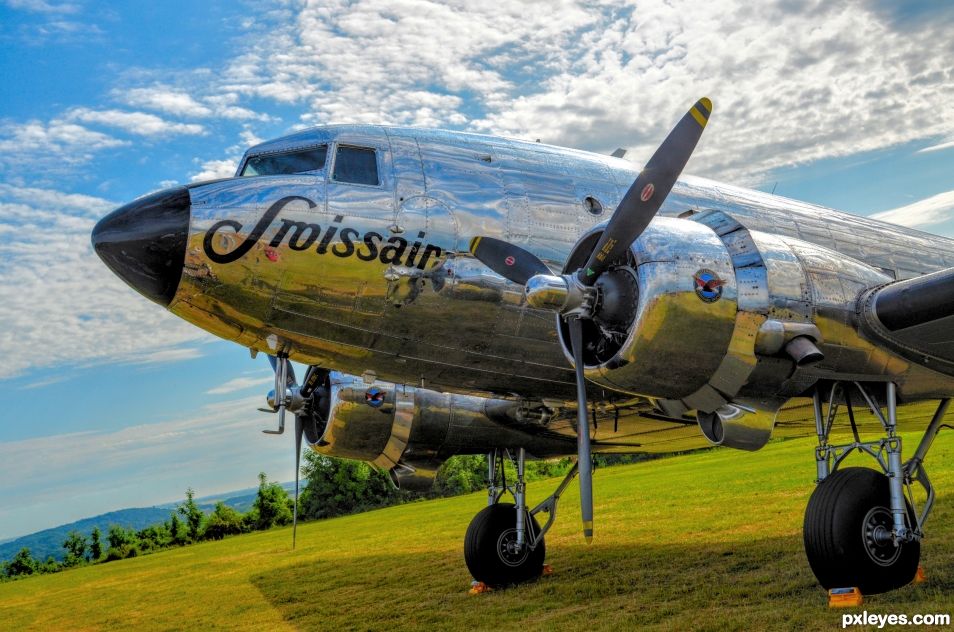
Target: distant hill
48	542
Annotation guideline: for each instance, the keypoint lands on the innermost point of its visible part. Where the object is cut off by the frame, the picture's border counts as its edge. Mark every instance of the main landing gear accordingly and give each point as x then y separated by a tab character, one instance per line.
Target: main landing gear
504	543
861	527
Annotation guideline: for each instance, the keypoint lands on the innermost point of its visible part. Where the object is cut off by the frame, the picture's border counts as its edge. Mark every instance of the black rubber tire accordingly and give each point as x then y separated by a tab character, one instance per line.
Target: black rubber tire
490	529
834	533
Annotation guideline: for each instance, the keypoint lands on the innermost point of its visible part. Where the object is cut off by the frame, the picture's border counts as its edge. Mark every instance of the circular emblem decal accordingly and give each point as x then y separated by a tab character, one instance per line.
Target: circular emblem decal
374	397
510	261
708	285
647	193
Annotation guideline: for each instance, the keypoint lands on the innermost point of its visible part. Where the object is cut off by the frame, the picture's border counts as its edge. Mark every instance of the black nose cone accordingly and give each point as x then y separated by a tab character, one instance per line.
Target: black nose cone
144	242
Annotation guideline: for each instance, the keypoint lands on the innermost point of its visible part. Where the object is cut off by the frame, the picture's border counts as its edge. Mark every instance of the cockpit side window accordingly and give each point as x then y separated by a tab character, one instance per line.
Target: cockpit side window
286	162
357	165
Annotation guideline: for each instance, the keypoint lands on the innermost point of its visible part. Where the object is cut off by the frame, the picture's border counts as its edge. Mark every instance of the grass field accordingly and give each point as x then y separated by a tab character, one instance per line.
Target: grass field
708	541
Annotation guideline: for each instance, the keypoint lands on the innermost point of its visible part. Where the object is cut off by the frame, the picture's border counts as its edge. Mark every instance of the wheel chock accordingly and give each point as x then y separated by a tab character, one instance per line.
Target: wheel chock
478	588
920	577
845	598
547	570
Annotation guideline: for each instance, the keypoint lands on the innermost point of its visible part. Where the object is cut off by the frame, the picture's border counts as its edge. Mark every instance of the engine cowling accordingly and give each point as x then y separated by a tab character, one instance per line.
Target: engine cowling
704	315
410	431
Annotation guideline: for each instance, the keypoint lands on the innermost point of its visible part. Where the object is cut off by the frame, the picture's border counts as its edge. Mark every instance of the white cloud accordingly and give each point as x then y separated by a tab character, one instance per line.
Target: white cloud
933	210
49	381
168	355
59	304
792	83
41	6
938	147
240	384
214	169
165	99
179	103
844	84
134	122
52	146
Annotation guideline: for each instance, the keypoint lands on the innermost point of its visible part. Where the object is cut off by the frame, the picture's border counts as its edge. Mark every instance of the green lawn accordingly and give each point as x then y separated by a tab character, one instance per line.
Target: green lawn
709	541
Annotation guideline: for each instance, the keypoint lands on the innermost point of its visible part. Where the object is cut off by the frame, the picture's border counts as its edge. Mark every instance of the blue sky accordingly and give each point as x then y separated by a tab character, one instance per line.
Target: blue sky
108	401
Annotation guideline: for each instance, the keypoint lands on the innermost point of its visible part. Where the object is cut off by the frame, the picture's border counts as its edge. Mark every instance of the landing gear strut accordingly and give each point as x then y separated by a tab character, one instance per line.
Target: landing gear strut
861	528
504	543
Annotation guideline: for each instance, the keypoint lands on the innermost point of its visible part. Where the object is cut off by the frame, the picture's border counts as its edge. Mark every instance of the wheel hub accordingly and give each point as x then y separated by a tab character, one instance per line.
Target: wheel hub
879	543
509	552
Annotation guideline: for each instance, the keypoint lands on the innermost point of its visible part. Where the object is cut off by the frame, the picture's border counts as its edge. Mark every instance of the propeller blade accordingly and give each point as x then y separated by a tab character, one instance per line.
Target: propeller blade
311	382
648	192
584	459
509	261
299	430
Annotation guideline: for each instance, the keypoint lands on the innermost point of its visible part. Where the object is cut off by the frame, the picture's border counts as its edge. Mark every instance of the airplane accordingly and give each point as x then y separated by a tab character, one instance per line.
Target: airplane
454	293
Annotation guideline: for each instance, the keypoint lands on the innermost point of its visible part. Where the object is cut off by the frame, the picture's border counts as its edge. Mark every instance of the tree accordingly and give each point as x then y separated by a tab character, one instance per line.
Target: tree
153	537
49	566
461	475
177	534
272	505
336	487
22	564
75	545
193	516
223	521
122	543
95	544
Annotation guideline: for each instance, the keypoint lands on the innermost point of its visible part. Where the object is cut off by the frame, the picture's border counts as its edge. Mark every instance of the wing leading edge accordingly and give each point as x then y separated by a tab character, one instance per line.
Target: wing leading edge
914	318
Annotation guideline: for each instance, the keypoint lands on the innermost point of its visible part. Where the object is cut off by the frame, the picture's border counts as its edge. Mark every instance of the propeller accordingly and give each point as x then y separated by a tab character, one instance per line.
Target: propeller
574	295
293	397
648	192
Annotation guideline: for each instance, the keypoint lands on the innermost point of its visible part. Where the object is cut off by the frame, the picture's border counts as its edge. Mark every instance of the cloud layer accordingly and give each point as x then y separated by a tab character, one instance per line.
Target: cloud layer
791	82
927	212
59	304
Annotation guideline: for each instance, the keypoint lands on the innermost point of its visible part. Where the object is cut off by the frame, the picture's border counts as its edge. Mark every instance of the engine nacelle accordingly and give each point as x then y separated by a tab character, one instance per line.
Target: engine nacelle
410	431
706	315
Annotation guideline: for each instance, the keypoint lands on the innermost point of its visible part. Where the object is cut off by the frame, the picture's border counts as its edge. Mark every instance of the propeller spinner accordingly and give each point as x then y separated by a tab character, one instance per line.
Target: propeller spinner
573	295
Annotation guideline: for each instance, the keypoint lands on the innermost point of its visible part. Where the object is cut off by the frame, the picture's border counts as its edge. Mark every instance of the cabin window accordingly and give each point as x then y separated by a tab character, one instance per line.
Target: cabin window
592	205
356	165
286	162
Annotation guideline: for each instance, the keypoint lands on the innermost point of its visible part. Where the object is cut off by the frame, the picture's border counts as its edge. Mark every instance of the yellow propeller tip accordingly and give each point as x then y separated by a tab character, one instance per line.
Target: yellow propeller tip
706	103
589	539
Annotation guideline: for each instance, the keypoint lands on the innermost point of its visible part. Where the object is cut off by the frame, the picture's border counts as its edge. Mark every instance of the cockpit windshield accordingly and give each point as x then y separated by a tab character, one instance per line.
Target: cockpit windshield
286	162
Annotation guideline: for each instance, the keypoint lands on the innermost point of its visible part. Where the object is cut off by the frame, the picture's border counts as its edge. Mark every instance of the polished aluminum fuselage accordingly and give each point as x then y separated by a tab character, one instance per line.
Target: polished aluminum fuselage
428	314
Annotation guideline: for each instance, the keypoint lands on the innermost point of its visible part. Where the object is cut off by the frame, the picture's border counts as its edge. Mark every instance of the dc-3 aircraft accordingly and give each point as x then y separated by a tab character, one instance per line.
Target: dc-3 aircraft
453	293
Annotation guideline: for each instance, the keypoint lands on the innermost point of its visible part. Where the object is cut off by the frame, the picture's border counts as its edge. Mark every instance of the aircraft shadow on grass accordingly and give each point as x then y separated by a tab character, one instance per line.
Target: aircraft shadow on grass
642	584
